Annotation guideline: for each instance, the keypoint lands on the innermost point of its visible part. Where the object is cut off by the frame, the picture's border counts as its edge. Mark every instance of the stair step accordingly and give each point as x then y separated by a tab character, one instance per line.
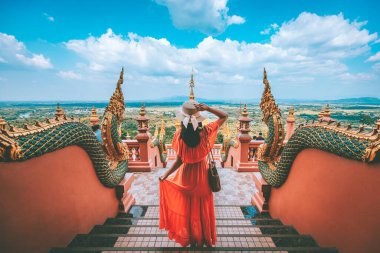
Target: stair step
219	221
221	229
260	240
221	211
195	249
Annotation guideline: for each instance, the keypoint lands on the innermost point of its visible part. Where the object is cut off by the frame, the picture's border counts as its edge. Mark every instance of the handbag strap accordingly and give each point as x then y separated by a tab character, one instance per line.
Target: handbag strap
209	147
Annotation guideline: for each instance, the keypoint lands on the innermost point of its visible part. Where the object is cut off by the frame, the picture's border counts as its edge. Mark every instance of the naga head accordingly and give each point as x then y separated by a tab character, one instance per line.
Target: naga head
116	105
268	105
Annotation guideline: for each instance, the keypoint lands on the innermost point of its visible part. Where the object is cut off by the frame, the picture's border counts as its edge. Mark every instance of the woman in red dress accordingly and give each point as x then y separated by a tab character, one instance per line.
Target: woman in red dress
186	200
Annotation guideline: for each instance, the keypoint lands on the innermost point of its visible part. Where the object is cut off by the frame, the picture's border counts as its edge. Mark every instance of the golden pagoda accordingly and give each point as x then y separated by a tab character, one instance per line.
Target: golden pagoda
156	131
142	110
94	119
59	112
327	113
162	131
321	113
291	115
191	97
3	123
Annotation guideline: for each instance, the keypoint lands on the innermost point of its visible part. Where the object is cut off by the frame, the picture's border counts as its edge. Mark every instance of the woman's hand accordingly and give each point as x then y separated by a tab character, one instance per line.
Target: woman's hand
201	107
162	178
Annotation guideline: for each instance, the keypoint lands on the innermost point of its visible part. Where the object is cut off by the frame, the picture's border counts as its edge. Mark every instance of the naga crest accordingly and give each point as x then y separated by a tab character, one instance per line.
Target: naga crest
116	105
268	104
113	146
272	148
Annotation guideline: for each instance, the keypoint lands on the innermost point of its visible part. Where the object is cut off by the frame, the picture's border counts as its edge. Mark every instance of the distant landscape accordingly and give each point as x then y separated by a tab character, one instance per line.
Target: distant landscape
354	111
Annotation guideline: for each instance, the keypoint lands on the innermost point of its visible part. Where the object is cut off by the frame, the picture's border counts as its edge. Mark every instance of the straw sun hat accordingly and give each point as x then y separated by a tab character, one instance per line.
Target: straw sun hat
188	113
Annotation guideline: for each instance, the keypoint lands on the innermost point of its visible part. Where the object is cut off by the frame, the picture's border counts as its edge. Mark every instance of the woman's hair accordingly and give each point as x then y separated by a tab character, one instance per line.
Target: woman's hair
189	136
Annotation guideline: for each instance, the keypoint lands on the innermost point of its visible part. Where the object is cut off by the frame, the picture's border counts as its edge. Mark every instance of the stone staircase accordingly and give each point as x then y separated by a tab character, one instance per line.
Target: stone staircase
239	229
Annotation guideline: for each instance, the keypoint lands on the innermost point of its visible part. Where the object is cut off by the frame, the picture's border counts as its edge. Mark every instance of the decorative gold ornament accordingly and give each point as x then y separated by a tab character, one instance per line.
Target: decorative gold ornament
192	97
270	152
115	152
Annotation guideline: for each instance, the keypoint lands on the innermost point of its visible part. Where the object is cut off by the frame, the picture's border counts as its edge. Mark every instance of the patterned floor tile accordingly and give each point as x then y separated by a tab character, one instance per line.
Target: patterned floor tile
237	187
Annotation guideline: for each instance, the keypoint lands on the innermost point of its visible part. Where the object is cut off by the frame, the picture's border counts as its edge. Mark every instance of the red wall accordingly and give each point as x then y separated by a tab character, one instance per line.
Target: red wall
46	201
334	199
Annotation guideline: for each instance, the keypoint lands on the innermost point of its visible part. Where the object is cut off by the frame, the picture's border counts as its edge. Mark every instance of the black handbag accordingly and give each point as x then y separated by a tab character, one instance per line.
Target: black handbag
213	176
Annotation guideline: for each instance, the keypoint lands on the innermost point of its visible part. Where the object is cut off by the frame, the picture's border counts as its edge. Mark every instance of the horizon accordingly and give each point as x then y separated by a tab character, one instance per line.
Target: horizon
312	51
360	100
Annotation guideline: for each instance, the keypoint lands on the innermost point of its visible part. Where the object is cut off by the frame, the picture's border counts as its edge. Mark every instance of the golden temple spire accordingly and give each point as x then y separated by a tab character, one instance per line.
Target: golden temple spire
156	131
226	130
3	123
162	131
327	111
245	112
291	115
321	114
192	97
142	110
59	112
94	118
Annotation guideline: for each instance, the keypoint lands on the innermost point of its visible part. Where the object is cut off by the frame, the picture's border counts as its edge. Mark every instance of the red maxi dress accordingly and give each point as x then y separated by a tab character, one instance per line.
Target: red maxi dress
186	200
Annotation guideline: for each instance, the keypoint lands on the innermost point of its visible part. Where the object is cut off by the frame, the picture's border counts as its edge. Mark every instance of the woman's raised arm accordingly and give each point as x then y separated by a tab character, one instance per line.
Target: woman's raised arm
222	115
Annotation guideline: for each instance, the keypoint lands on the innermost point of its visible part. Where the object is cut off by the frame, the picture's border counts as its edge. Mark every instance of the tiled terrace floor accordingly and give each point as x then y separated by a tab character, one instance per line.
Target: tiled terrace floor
237	187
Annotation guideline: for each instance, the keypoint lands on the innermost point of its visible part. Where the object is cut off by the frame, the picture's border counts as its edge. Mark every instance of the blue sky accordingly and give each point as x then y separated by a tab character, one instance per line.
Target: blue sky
73	50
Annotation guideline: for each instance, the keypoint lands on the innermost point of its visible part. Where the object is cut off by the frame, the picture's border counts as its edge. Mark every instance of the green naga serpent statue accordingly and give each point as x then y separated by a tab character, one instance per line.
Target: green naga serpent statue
109	158
275	159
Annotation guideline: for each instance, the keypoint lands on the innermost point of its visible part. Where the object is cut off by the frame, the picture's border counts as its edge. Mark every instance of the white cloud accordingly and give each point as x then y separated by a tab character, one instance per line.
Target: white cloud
69	75
327	36
48	17
357	77
375	57
14	52
272	28
229	62
209	17
235	20
36	60
265	31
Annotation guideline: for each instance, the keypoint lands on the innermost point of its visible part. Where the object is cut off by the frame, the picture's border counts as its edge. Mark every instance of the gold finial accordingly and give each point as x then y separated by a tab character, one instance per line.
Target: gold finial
59	112
192	97
226	130
162	131
327	111
245	112
321	113
3	123
291	114
142	110
94	119
156	131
